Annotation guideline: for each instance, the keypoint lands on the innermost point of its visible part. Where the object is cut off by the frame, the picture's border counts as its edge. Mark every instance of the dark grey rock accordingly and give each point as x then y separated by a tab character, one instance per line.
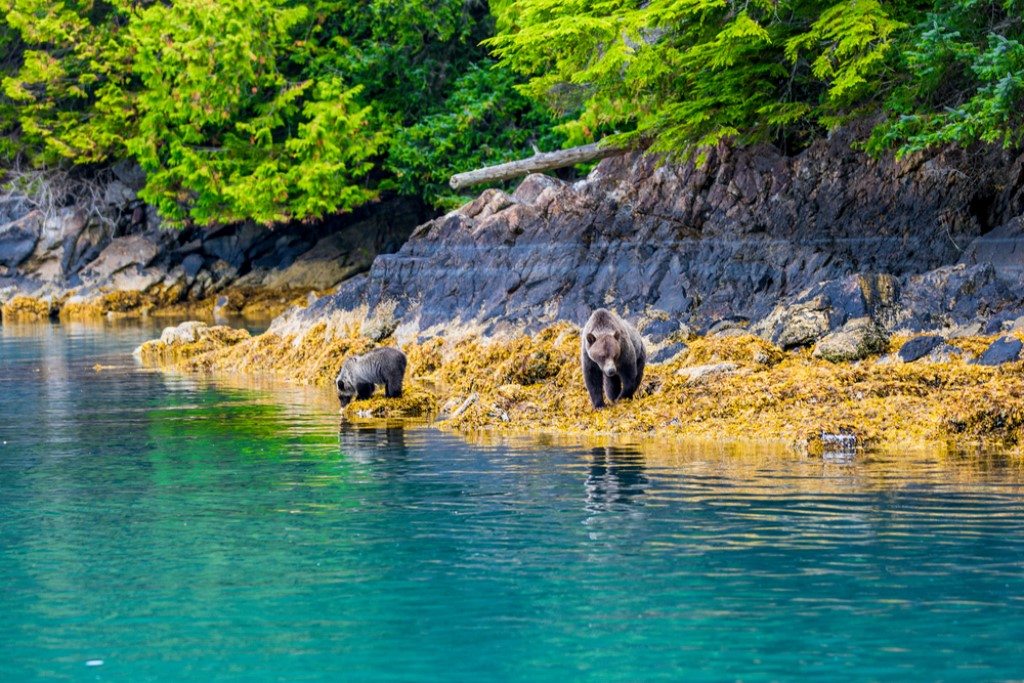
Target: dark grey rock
919	347
668	352
233	244
13	208
660	330
725	328
1002	350
18	241
191	264
130	173
827	229
1002	247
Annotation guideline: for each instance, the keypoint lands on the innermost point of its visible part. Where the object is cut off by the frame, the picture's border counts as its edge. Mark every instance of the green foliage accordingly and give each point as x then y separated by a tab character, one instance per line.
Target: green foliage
964	78
10	55
687	74
278	110
224	133
484	121
696	72
271	110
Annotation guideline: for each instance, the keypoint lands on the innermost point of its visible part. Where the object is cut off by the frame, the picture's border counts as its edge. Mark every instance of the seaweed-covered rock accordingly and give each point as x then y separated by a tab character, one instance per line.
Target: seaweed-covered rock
944	353
698	373
1002	350
857	339
919	347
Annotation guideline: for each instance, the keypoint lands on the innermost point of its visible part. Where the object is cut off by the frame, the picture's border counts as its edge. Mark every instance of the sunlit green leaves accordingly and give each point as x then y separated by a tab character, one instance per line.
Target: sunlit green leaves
272	110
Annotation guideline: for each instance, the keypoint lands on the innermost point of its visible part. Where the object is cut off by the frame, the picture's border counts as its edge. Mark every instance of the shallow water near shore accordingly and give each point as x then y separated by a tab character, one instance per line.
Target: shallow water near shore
156	526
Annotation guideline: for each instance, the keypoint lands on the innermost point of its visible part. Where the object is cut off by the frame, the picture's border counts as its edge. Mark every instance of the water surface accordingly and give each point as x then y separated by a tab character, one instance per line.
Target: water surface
163	527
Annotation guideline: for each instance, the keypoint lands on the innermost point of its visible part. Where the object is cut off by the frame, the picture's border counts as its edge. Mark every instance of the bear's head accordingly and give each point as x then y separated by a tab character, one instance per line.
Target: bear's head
345	384
604	350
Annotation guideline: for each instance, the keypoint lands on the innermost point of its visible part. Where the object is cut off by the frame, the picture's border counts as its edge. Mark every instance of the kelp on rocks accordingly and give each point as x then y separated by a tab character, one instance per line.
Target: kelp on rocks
158	301
729	388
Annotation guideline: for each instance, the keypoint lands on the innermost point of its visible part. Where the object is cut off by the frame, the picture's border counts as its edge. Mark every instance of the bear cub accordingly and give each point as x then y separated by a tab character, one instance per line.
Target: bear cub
613	357
360	374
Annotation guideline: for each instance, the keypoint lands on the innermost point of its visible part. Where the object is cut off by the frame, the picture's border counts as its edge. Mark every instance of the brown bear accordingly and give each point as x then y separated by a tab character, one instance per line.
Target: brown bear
613	357
360	374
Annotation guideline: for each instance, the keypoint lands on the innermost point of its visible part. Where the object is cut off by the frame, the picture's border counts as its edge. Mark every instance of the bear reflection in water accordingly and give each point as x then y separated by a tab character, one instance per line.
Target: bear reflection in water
369	443
617	477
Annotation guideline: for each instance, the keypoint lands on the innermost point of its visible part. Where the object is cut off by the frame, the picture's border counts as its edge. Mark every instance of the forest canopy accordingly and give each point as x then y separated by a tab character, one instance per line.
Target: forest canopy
277	110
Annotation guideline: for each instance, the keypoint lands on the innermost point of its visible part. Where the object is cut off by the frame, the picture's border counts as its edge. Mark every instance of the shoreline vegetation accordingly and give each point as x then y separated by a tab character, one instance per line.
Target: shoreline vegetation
733	388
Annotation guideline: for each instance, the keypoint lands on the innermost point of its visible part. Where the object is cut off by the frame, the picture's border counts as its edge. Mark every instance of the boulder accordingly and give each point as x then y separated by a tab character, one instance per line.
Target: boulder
185	333
118	194
796	325
856	340
191	265
18	240
13	208
134	279
1002	350
919	347
135	250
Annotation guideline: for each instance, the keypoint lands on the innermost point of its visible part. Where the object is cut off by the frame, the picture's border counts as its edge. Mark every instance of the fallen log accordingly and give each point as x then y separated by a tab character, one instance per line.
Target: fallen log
542	161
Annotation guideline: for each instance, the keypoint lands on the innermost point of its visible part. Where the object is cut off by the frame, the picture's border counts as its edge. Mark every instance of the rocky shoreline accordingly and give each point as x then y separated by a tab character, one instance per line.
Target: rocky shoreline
111	257
825	295
725	386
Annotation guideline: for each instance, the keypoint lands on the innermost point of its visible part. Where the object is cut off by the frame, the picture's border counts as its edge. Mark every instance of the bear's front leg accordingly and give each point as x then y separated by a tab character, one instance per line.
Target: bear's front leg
364	390
630	383
393	389
592	378
612	388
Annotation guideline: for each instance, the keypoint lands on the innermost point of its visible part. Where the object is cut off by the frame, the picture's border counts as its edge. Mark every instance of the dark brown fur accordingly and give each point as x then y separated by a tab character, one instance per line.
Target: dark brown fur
613	358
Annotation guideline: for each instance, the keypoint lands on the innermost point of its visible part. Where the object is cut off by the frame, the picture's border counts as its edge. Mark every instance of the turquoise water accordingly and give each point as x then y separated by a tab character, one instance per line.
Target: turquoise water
161	527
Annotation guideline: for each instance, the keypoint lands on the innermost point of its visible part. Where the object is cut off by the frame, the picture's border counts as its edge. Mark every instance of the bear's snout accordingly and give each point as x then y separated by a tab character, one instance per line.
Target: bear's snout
611	372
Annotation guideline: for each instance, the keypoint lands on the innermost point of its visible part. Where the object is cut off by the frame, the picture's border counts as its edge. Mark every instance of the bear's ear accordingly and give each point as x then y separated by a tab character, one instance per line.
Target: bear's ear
591	339
616	335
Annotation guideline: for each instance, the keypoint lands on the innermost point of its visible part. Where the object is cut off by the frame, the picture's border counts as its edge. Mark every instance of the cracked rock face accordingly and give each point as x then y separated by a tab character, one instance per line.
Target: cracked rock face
793	246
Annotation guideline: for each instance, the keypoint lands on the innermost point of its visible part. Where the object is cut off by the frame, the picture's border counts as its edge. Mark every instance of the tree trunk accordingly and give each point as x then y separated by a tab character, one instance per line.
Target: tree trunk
544	161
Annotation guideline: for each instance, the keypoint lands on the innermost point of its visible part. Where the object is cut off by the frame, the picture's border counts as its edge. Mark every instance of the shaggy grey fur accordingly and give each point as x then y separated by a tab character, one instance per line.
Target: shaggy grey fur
359	374
613	358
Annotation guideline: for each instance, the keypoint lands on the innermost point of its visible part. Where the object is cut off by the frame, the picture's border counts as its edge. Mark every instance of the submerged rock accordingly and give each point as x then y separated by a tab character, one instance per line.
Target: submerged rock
1002	350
